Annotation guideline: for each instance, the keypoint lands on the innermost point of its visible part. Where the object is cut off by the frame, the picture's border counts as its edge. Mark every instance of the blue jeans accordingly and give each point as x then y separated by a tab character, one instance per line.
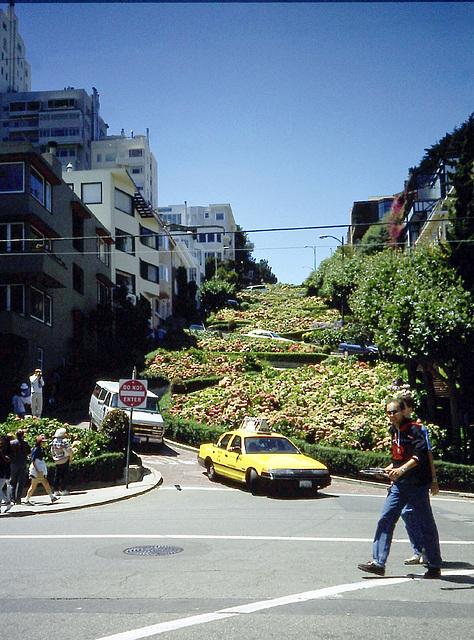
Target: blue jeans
413	530
417	499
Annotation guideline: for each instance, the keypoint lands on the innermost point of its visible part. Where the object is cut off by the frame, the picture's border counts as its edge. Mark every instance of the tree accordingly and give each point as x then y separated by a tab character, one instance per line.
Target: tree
418	311
460	234
214	293
185	302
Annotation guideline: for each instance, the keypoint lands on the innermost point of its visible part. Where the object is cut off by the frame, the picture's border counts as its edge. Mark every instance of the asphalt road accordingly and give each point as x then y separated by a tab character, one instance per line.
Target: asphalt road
230	565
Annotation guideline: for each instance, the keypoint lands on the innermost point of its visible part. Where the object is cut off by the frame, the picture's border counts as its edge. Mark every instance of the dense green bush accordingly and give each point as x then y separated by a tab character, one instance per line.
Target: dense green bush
115	427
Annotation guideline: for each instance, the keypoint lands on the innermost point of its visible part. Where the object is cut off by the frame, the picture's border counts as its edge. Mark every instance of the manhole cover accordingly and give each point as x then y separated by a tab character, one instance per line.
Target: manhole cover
153	550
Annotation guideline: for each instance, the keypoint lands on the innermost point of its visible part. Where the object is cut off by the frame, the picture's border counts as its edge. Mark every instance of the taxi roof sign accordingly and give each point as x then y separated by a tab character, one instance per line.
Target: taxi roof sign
251	423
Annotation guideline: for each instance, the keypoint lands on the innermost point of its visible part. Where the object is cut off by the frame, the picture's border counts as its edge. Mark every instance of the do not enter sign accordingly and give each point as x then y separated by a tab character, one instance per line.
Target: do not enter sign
132	393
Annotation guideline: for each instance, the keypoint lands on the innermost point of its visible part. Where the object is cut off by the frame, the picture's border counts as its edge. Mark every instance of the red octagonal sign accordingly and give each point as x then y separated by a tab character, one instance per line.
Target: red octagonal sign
132	393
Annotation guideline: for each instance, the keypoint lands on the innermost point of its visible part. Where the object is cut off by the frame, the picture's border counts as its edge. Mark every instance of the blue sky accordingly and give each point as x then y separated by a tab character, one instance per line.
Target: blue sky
290	112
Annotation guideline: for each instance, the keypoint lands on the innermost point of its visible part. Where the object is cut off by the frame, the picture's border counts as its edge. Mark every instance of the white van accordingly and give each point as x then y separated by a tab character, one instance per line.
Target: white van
148	426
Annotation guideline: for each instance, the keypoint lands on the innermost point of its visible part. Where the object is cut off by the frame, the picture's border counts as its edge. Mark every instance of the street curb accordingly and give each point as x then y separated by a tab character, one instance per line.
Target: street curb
158	480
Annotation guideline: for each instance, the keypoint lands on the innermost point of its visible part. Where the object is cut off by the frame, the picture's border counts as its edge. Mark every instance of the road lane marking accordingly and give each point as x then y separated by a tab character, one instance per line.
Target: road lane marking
186	536
253	607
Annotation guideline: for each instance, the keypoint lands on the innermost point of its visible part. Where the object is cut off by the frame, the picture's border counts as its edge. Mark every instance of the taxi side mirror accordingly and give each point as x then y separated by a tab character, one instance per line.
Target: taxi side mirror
236	449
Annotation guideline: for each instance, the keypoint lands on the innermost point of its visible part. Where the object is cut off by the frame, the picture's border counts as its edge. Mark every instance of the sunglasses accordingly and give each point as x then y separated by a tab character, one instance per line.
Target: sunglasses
392	412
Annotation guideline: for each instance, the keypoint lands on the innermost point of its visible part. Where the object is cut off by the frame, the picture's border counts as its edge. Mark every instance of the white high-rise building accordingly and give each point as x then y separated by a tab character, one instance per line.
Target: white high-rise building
132	154
15	71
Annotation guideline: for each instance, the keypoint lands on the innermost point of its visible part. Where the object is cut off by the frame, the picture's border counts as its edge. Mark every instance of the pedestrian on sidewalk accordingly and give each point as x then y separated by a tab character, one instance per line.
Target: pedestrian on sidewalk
37	384
62	456
39	471
5	472
410	477
20	453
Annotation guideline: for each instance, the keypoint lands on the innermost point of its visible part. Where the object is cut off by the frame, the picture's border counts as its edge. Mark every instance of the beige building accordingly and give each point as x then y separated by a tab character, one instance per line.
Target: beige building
132	154
141	259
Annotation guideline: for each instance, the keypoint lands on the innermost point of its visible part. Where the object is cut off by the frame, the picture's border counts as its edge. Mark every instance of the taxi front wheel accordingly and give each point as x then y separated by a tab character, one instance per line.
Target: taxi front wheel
252	481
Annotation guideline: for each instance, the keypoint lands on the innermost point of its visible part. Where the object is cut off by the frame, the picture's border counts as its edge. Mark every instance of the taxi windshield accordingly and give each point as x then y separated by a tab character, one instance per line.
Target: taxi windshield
269	444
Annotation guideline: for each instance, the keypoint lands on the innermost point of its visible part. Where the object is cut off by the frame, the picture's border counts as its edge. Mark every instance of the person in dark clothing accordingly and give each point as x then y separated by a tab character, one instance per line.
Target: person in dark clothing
5	472
20	452
410	475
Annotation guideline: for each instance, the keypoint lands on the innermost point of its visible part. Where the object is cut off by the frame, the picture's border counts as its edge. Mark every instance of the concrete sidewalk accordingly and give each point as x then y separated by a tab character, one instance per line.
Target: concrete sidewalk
86	496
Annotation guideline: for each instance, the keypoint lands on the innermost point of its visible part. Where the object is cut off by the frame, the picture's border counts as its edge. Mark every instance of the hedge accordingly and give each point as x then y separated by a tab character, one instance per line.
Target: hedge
343	462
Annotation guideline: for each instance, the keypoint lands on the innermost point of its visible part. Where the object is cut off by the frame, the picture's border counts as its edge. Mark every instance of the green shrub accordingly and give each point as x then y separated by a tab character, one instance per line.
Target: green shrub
115	428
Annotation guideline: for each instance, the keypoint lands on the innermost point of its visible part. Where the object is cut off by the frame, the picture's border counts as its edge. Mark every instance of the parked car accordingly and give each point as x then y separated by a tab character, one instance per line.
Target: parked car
147	423
261	459
256	287
196	327
349	349
263	333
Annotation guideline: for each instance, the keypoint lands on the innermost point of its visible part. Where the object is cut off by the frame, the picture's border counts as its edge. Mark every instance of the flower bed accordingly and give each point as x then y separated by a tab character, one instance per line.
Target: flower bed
336	404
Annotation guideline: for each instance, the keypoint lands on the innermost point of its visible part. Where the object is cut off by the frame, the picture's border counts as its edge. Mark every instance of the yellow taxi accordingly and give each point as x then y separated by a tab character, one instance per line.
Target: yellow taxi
258	458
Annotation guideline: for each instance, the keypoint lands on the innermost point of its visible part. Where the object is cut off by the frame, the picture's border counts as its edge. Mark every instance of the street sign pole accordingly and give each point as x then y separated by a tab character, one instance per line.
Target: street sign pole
129	440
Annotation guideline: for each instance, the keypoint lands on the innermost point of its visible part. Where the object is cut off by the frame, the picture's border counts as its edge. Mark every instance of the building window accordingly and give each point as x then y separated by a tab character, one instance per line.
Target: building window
164	273
12	236
125	280
40	189
136	170
12	298
124	242
135	153
164	242
149	238
123	202
149	272
99	157
12	177
103	293
219	216
78	279
201	237
78	233
103	250
109	157
91	192
41	306
40	241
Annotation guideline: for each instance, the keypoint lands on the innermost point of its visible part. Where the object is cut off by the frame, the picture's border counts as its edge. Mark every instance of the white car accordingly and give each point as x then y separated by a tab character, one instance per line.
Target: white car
263	333
147	423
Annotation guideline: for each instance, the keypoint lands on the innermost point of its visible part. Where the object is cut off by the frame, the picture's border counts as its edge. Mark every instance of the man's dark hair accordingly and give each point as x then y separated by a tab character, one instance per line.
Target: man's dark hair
398	401
409	401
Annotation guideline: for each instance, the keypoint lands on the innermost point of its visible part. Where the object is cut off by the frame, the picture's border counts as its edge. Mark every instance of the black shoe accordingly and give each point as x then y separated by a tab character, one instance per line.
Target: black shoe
371	567
433	573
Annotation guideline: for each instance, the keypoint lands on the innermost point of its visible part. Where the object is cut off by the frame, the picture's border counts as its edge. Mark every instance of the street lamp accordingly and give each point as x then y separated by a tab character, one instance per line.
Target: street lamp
341	242
315	249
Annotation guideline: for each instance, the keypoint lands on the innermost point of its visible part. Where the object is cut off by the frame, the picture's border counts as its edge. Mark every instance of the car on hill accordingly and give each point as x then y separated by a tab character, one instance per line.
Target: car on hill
263	333
260	459
147	422
351	349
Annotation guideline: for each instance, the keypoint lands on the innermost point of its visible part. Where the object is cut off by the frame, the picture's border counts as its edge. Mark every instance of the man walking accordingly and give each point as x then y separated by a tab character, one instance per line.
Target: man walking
411	478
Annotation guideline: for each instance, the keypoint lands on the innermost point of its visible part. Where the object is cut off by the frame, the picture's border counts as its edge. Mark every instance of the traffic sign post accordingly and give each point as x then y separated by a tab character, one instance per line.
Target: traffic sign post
132	393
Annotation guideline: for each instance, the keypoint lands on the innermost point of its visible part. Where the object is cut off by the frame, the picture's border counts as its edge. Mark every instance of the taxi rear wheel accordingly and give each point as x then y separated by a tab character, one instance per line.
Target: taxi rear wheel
252	481
211	472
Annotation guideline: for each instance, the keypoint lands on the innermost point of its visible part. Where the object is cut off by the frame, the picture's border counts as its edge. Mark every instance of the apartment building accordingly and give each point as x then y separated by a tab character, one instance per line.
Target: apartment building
69	117
15	71
141	260
207	232
134	155
54	267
